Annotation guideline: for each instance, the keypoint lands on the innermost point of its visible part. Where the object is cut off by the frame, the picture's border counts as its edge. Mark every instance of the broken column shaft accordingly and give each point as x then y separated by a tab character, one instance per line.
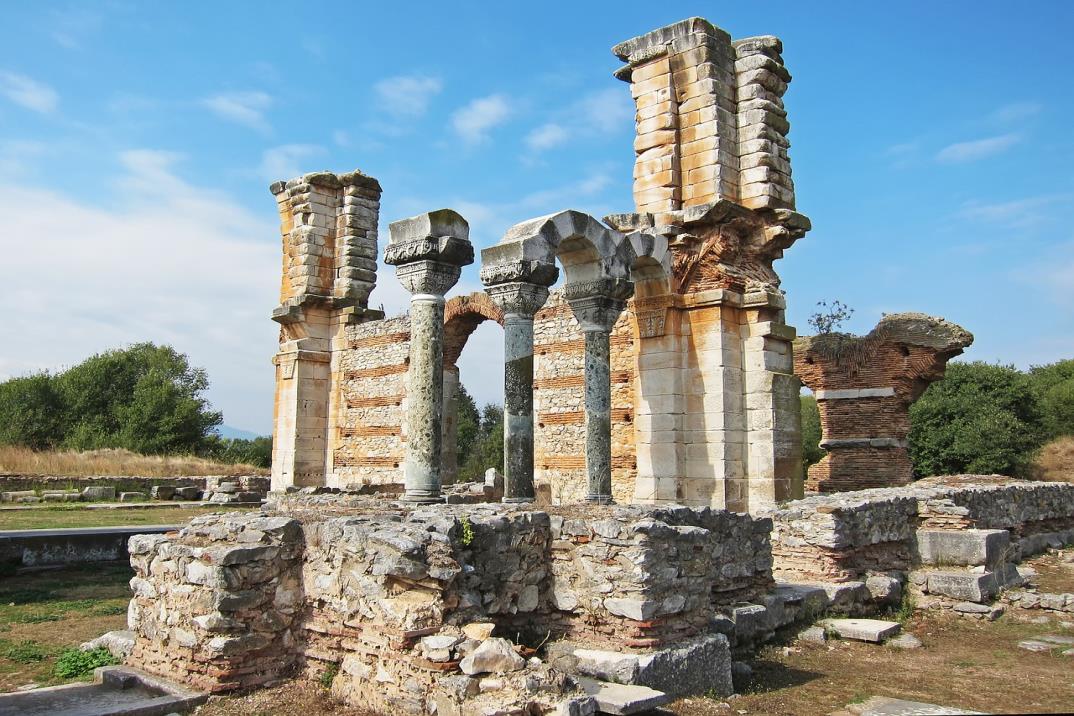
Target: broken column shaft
428	252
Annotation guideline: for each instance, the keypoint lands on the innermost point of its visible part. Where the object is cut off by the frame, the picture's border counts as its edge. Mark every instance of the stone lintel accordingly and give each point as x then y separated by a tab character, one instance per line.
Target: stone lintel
713	297
852	393
764	298
300	354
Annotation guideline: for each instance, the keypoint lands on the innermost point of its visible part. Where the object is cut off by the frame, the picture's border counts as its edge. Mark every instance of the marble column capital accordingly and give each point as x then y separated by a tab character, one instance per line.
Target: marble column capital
597	303
428	278
518	298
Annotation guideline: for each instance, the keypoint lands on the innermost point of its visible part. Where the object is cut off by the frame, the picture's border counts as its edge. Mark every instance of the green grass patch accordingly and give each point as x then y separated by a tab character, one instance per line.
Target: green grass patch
23	652
62	514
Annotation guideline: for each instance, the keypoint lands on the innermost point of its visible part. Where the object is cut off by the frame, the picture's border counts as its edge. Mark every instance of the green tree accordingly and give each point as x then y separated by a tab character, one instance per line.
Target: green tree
467	425
256	452
980	418
31	412
1053	386
811	450
487	450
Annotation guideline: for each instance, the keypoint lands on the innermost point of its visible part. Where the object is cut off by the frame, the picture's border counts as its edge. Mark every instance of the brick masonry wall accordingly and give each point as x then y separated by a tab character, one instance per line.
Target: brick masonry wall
864	388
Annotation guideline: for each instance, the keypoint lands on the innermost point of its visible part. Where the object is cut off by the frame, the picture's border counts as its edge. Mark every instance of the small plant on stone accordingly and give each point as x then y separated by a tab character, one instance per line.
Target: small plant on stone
75	663
467	538
830	317
329	675
906	608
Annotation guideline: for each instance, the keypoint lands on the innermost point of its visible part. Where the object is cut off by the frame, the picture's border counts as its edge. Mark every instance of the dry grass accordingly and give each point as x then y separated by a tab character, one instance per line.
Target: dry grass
23	461
1055	461
971	664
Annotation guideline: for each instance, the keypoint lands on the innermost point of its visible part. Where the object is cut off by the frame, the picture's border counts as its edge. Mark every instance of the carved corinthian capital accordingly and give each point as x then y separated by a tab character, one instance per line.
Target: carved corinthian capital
597	303
518	298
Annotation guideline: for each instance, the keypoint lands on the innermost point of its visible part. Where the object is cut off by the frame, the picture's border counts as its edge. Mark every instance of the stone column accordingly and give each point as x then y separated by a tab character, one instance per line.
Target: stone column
428	252
596	305
519	302
449	454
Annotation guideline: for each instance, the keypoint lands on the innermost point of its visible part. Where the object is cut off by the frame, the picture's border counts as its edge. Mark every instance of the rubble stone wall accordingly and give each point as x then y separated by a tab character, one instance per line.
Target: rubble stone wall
239	600
845	536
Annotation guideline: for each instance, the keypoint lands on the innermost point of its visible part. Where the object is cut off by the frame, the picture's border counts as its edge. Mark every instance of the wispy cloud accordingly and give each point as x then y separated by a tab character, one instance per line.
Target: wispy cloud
245	108
407	95
28	93
978	149
547	136
1017	213
596	113
474	121
287	161
16	157
1016	112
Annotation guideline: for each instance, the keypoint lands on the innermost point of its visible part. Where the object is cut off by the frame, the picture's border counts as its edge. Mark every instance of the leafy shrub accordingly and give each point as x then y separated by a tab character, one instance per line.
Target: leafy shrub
74	663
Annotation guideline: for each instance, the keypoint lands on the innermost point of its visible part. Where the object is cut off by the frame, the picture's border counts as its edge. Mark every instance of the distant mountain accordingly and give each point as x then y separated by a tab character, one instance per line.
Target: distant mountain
226	431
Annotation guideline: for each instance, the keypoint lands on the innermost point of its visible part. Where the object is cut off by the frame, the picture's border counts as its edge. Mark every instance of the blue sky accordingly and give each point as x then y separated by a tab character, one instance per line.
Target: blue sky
931	148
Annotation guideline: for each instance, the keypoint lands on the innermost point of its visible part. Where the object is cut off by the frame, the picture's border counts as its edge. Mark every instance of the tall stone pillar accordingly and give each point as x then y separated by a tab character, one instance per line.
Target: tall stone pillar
449	456
596	305
519	301
428	252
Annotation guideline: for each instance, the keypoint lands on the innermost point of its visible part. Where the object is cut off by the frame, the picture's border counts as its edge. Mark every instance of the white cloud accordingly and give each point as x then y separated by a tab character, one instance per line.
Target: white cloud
1016	112
547	136
607	110
245	108
407	95
28	93
16	157
1018	213
287	161
171	263
70	27
977	149
473	122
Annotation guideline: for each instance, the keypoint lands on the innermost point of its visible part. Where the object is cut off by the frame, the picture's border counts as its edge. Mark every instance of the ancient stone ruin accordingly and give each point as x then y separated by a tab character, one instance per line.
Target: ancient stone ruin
659	373
648	532
864	387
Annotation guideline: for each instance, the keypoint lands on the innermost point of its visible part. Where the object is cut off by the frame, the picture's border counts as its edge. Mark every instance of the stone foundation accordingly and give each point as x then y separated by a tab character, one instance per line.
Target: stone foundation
239	600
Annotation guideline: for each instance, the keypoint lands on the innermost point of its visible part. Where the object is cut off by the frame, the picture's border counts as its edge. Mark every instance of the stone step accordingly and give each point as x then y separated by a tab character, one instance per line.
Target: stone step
871	630
622	698
886	706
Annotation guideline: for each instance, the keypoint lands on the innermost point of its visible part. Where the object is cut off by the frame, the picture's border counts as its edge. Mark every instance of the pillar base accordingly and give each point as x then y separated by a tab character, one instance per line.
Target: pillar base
422	499
518	500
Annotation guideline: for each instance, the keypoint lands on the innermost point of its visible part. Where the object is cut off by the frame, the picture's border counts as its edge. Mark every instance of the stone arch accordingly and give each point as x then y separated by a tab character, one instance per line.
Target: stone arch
462	316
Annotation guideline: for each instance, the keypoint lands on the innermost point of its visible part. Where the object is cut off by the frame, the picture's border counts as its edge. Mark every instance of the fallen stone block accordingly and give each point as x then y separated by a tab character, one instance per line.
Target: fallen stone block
187	493
118	643
963	548
99	492
886	706
751	624
61	496
494	656
965	586
228	487
131	496
623	698
1057	639
16	495
162	492
871	630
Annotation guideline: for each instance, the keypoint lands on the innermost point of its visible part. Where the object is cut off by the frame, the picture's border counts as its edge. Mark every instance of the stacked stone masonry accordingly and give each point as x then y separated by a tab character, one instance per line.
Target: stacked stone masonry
689	395
234	601
864	387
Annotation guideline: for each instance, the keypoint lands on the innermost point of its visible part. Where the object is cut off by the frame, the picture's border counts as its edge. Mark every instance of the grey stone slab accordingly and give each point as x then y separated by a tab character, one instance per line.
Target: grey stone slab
623	698
1057	639
1034	645
966	586
885	706
115	691
963	548
872	630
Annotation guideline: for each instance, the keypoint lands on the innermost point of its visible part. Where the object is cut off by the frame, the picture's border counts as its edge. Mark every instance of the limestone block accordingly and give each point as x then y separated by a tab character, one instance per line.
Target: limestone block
871	630
966	547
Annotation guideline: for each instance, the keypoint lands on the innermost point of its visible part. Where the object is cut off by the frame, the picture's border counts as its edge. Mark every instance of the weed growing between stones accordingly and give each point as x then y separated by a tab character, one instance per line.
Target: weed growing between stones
329	675
906	607
24	652
467	532
74	663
